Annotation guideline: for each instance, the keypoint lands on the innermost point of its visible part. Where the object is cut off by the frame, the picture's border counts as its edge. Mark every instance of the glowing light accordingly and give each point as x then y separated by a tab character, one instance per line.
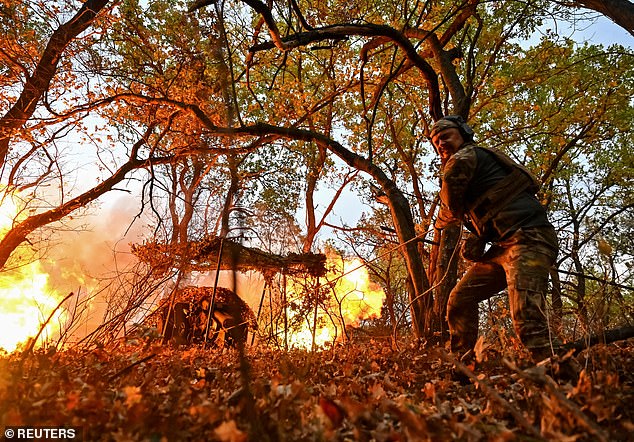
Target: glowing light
25	299
352	298
360	298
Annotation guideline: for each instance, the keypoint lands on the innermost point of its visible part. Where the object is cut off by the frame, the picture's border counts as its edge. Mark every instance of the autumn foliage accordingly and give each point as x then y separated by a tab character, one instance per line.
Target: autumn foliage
361	391
257	121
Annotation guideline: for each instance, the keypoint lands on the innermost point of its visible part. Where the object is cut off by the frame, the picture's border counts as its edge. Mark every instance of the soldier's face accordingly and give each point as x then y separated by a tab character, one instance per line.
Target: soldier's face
447	143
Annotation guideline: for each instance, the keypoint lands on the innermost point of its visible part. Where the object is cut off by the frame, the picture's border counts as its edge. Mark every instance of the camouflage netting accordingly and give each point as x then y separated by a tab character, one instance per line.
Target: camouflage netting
203	256
191	307
225	300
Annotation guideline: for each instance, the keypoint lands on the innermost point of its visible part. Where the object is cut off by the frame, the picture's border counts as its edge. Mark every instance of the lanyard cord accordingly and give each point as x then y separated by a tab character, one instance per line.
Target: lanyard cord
409	305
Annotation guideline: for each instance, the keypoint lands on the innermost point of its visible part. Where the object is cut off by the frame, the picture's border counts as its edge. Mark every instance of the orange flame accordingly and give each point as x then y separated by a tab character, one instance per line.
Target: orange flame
353	298
25	300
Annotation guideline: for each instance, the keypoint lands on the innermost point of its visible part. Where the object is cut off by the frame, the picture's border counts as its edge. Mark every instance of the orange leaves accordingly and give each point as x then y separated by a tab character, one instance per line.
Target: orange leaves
229	432
353	392
480	349
332	410
429	390
132	396
72	400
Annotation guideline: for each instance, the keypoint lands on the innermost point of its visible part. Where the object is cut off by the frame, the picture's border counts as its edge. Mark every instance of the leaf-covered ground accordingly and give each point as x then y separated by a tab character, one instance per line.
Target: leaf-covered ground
361	391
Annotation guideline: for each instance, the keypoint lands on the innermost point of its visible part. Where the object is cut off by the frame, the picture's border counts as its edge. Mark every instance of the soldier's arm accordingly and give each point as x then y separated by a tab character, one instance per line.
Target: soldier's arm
444	218
457	174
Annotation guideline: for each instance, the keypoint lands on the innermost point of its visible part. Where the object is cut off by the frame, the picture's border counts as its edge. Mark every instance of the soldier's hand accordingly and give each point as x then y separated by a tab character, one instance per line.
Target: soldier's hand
473	248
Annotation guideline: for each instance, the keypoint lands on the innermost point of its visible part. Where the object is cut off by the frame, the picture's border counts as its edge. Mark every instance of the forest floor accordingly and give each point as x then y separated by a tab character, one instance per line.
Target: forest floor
367	391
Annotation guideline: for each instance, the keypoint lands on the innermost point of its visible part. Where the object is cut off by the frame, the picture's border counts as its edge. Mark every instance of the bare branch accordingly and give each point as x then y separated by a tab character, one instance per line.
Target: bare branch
339	32
37	84
19	233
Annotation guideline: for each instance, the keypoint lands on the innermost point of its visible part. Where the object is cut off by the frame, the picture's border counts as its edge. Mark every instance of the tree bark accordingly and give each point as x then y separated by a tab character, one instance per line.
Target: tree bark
314	173
37	84
557	302
445	275
620	12
18	234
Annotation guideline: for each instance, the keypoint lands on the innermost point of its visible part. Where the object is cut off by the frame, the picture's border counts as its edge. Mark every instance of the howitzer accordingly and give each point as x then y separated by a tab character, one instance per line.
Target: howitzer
186	321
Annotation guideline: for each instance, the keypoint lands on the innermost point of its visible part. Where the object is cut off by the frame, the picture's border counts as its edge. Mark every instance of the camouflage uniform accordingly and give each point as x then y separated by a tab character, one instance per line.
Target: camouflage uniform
521	261
524	249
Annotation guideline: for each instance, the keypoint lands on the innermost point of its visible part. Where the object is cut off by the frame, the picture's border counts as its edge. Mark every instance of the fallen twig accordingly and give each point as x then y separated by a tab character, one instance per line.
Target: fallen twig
129	367
538	376
519	417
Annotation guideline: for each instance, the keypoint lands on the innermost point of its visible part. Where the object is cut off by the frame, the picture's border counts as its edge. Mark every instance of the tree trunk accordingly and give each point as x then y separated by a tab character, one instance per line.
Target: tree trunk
445	275
231	197
557	302
420	299
37	84
18	234
312	178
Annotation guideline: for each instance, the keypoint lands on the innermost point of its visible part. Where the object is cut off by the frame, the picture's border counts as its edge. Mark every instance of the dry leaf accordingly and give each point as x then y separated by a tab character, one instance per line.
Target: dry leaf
72	400
132	395
480	349
229	432
377	391
429	390
334	412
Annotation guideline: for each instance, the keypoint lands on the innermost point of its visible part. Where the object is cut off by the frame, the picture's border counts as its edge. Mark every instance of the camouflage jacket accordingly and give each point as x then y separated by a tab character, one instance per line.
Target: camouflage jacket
474	191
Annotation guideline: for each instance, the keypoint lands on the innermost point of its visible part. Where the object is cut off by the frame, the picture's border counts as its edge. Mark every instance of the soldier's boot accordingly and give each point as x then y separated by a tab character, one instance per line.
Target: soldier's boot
561	365
567	368
466	358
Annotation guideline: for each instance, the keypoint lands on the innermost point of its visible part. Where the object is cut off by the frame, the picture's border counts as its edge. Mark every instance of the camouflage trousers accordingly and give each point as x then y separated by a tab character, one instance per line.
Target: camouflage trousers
521	263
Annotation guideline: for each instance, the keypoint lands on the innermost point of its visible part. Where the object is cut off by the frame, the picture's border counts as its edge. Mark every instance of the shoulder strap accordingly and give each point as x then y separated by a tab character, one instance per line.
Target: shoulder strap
512	165
500	195
491	202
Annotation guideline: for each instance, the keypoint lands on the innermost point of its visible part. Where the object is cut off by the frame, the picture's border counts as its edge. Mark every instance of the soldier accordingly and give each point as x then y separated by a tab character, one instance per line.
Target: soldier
495	199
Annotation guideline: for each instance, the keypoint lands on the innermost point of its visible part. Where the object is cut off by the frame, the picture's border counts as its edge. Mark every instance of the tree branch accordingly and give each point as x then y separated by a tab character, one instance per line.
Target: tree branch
620	12
37	84
339	32
18	234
